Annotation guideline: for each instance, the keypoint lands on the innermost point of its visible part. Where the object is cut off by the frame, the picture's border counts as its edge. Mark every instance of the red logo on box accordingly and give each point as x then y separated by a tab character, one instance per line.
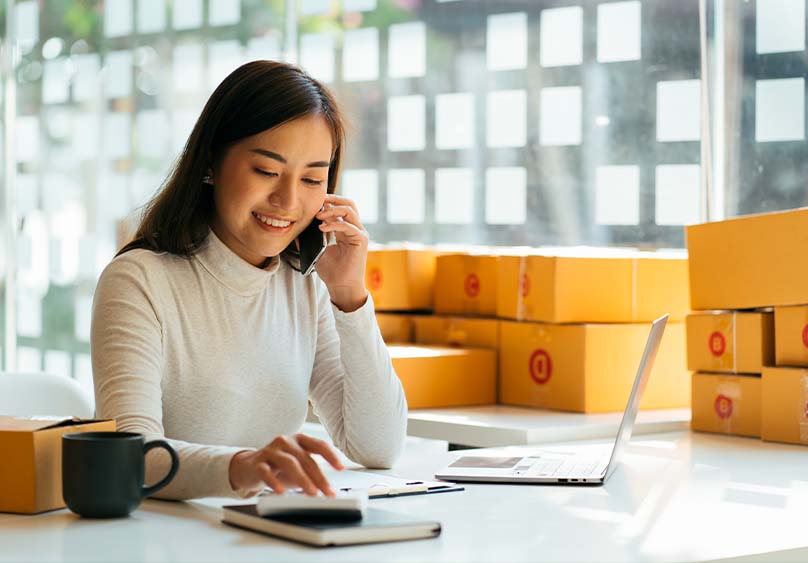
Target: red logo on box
723	406
805	336
375	279
541	367
472	285
524	286
717	344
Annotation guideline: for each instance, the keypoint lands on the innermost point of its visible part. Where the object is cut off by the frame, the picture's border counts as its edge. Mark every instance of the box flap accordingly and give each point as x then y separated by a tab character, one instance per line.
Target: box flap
39	422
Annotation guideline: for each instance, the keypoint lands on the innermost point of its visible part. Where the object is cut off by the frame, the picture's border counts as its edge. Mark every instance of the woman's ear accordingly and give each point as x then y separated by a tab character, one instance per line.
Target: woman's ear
208	177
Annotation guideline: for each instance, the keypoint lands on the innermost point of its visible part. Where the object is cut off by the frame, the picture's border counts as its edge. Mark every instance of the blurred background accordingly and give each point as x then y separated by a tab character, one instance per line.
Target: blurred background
507	122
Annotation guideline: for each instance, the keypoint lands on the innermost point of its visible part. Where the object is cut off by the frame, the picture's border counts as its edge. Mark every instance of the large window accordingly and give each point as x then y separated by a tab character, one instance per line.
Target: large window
107	93
528	122
521	122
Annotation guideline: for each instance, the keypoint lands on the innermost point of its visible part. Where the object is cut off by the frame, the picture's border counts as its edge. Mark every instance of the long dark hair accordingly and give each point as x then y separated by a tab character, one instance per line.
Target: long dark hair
257	96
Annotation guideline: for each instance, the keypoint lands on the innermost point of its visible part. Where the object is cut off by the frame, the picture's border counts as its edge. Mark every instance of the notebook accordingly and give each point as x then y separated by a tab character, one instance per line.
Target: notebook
377	526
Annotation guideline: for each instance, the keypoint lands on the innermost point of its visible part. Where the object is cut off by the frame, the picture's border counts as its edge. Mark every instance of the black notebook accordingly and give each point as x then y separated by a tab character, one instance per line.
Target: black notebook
376	526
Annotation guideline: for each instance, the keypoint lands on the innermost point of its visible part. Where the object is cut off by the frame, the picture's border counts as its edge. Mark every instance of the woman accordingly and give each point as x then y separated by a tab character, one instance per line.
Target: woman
204	331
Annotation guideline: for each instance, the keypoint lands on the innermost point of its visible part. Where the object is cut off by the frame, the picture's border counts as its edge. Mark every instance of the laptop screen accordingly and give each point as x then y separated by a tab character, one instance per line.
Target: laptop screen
640	381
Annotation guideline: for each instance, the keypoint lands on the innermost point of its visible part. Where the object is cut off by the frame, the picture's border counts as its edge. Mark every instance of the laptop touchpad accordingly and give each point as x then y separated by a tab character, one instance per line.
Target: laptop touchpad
486	462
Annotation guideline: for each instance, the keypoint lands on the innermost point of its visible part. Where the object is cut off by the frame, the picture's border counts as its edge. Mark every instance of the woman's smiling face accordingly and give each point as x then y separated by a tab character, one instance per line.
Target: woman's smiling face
267	188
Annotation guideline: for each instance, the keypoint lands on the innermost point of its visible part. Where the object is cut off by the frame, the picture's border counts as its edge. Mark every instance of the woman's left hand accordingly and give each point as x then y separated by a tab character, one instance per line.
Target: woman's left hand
342	267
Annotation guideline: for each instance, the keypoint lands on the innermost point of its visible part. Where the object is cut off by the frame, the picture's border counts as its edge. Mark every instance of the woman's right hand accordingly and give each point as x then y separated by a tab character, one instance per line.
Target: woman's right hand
285	462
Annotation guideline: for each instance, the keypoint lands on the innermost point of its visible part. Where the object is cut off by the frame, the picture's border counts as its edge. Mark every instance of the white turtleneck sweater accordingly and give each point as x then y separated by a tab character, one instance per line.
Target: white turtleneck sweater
219	356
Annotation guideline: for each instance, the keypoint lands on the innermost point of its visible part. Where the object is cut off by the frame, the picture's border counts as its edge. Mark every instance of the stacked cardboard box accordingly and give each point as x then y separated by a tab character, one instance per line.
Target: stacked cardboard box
749	262
727	352
578	323
441	361
566	328
785	386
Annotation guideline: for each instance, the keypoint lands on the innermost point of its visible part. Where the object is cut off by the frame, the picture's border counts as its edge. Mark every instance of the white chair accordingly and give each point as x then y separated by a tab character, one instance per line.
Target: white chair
27	394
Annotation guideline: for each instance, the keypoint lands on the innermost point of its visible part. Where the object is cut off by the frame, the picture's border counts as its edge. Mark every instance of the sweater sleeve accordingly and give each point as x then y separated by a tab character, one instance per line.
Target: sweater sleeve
126	348
354	389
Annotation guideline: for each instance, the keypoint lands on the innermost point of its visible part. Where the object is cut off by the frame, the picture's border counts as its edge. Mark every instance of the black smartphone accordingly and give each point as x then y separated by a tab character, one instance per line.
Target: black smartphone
311	244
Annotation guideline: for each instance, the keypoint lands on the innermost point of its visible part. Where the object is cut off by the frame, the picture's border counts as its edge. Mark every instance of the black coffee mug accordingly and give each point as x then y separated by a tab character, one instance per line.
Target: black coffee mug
103	472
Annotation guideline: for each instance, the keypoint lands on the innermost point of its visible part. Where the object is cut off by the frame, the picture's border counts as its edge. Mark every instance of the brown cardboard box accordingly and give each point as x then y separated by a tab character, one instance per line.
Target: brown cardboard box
395	327
434	376
401	279
785	405
457	331
733	342
748	262
588	368
466	284
791	335
608	287
726	404
31	466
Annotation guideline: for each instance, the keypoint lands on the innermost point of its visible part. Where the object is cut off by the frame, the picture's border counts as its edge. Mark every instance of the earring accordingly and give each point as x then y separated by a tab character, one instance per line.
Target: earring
206	179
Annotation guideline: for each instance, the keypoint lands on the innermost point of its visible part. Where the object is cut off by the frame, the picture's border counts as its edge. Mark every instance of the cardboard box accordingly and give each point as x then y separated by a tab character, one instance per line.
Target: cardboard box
457	331
466	284
733	342
791	336
785	405
401	279
726	404
395	327
31	467
588	368
435	376
748	262
621	287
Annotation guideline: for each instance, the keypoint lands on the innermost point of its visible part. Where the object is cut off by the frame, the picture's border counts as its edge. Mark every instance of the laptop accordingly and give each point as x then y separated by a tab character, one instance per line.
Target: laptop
564	467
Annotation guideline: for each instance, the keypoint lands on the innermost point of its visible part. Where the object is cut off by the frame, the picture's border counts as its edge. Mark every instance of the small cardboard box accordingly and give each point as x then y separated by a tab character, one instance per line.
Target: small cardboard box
593	287
435	376
466	284
726	404
748	262
588	368
457	331
791	335
31	467
401	279
395	327
732	342
785	405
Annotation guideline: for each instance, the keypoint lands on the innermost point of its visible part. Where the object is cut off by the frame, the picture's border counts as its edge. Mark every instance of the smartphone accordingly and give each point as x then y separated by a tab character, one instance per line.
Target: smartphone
311	244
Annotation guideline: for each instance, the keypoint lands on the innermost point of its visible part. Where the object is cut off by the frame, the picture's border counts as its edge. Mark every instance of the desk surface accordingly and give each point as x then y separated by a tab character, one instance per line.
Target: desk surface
677	497
497	425
489	426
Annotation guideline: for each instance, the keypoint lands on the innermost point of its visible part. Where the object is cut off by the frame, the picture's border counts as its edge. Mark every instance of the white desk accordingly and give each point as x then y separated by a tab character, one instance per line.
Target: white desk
678	497
490	426
498	425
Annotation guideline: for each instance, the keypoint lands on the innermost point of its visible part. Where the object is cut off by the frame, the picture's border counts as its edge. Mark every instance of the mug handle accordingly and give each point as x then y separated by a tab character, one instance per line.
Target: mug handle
175	465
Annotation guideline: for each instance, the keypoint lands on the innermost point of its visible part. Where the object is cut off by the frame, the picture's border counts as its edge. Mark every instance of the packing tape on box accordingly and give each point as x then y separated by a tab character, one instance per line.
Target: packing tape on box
721	326
456	336
634	289
540	367
522	289
727	404
803	409
734	341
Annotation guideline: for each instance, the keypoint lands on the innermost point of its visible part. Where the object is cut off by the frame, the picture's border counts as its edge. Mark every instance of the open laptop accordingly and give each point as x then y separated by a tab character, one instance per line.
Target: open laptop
563	467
